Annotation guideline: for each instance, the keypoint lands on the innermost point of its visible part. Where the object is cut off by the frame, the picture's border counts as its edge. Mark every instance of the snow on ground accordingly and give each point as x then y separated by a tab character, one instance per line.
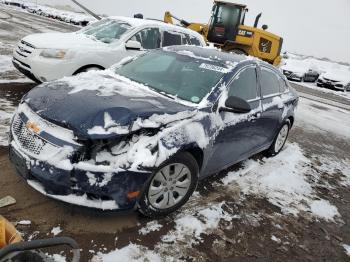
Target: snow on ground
150	227
131	252
6	111
323	118
56	230
323	209
347	249
24	222
5	63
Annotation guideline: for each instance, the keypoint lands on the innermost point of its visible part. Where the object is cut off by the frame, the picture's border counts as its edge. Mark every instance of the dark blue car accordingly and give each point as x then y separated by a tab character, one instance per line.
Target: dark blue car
143	133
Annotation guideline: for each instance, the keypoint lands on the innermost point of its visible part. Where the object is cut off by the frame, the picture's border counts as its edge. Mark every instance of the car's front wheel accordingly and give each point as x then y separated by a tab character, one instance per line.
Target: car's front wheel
170	187
280	139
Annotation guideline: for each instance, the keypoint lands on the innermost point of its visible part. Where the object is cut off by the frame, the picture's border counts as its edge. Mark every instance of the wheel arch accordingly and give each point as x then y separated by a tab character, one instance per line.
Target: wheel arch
291	120
197	153
81	69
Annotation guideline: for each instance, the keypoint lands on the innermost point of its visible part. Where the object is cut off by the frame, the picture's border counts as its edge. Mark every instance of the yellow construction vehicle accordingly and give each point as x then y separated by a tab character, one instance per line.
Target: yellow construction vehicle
227	31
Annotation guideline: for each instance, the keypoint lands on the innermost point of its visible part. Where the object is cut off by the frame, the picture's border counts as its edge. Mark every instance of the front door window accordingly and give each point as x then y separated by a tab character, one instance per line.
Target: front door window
149	38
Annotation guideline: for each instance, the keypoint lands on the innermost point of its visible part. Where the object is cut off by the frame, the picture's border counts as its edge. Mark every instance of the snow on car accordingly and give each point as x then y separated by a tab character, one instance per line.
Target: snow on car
299	71
49	56
148	130
335	79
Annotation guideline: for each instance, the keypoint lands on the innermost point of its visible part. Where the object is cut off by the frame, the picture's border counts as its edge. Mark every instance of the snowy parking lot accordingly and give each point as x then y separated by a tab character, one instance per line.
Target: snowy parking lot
292	207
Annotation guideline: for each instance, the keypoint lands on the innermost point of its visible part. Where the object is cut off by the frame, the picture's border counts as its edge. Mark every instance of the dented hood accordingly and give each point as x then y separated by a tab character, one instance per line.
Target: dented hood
82	111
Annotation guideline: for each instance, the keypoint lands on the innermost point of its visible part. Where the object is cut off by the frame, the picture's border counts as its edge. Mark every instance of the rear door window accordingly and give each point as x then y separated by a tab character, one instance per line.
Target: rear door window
171	38
270	83
149	38
283	85
190	40
245	84
195	41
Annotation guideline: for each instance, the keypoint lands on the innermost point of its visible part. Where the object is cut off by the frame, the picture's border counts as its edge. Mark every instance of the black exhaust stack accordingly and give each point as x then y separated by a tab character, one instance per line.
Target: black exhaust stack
257	20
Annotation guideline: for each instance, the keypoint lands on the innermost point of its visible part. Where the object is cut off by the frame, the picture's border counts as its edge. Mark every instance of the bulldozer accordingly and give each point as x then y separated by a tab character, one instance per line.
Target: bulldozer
226	30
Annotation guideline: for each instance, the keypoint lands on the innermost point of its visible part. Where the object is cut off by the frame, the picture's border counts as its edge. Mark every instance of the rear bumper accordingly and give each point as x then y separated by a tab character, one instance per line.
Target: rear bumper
79	187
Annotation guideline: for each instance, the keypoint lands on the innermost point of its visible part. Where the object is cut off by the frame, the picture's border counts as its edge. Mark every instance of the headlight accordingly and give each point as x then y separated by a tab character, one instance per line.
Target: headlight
53	53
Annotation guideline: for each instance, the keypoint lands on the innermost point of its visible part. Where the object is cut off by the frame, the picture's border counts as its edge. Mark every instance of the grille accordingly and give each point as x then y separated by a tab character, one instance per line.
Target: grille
24	48
27	140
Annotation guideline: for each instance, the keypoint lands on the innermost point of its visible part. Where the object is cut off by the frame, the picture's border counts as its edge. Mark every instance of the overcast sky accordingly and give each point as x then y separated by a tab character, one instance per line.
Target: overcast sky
311	27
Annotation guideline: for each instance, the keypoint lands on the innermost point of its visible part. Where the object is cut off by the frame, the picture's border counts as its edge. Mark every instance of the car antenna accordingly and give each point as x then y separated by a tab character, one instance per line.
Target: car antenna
86	10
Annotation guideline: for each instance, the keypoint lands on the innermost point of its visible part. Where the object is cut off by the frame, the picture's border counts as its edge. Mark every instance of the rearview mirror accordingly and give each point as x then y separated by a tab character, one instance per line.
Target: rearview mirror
236	105
133	45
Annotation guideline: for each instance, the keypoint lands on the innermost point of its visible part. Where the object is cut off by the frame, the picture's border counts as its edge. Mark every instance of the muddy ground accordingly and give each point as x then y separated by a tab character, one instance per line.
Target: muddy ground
249	239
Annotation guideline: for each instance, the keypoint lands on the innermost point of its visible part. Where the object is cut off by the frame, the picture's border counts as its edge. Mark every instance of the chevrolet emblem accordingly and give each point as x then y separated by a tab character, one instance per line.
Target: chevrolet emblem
33	127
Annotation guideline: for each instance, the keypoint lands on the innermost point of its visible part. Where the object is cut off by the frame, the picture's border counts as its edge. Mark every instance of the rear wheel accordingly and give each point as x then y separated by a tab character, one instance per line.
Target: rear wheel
280	140
170	187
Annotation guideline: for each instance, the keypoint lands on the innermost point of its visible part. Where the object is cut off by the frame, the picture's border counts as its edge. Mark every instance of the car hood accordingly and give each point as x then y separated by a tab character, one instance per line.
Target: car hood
62	40
82	105
341	76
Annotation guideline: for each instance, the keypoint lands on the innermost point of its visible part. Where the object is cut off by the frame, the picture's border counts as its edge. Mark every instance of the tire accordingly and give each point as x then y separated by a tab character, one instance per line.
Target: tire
278	144
165	188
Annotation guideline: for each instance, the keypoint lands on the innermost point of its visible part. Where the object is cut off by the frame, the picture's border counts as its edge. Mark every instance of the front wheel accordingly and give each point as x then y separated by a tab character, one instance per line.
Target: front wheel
280	140
170	187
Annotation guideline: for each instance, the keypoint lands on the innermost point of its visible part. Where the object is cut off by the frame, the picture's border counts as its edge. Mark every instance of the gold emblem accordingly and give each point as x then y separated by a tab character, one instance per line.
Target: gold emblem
33	127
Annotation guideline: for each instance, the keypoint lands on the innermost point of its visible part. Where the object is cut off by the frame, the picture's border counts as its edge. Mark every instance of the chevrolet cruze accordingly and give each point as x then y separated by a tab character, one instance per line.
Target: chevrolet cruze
143	133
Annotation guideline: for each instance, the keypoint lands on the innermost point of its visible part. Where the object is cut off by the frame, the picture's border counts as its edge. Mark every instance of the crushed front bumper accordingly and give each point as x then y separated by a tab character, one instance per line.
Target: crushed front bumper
84	188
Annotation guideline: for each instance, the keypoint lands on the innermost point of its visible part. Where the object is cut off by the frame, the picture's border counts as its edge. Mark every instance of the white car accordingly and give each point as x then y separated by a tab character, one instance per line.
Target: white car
49	56
300	71
335	79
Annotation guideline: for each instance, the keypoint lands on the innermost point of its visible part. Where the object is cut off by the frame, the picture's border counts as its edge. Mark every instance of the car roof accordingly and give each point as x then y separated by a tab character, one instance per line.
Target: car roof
136	22
209	53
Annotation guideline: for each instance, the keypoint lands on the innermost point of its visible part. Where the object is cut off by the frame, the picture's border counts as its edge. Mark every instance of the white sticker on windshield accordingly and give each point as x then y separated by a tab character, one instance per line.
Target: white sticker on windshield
213	68
195	99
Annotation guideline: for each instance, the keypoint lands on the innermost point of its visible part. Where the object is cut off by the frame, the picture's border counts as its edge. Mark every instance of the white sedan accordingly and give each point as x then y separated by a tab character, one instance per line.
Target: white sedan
335	79
49	56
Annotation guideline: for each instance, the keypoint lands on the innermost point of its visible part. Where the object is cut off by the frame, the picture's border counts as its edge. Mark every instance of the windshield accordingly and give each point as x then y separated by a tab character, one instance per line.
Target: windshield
107	30
178	75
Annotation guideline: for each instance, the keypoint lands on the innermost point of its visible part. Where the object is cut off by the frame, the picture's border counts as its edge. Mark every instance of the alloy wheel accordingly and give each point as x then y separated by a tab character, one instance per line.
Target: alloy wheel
281	138
169	186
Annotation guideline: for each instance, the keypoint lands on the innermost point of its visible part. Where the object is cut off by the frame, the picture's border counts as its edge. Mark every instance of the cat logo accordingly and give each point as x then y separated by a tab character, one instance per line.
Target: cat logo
33	127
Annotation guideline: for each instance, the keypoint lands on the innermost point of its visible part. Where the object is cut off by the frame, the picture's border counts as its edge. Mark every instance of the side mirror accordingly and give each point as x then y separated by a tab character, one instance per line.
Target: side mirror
264	27
133	45
236	105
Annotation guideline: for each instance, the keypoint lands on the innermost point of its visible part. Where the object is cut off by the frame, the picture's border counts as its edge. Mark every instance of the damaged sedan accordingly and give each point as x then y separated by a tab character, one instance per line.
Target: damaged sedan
142	134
